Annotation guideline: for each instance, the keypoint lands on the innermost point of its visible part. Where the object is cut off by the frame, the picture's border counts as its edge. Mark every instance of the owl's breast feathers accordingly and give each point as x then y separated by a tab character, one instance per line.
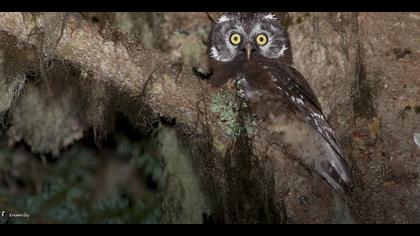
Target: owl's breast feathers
279	94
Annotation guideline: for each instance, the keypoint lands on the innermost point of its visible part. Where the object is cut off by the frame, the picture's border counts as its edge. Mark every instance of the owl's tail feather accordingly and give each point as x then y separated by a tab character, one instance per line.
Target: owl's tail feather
335	171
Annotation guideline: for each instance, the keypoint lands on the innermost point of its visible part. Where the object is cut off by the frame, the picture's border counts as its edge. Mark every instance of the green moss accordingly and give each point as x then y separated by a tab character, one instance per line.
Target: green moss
250	126
228	109
220	146
417	109
286	22
299	20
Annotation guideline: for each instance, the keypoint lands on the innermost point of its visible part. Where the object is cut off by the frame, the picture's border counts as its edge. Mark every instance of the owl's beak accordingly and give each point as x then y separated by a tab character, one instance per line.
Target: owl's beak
248	50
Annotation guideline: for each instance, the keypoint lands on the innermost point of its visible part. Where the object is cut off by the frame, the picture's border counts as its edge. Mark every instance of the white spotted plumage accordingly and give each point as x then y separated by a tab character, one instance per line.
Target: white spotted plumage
282	51
222	19
269	16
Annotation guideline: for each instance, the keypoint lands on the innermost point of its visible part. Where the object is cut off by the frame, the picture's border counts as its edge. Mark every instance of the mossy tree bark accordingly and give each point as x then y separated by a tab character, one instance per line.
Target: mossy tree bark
245	178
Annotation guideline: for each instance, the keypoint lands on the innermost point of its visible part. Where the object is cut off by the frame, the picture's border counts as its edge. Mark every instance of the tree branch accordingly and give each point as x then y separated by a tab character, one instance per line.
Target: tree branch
260	188
124	64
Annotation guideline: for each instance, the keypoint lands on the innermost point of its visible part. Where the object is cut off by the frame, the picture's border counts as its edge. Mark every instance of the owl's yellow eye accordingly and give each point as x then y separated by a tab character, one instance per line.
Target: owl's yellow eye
235	39
261	39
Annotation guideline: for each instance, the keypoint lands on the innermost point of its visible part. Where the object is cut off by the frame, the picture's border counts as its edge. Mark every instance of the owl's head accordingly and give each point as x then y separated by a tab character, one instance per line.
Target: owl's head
245	36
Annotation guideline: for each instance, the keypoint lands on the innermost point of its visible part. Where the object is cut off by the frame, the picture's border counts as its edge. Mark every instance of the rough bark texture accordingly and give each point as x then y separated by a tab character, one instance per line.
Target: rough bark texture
364	68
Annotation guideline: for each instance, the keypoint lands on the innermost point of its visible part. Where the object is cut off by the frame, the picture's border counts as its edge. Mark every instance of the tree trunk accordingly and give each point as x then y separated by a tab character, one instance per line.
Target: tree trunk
362	66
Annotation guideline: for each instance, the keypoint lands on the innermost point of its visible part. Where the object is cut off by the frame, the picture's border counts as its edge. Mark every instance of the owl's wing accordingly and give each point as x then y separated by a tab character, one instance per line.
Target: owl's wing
279	93
333	167
304	87
307	108
294	92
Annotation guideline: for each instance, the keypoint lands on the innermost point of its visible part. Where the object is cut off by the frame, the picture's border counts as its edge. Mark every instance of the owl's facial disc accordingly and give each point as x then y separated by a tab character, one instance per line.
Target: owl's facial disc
242	36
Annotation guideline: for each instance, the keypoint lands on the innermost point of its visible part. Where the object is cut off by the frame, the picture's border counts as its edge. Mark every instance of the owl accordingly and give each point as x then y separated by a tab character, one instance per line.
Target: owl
253	51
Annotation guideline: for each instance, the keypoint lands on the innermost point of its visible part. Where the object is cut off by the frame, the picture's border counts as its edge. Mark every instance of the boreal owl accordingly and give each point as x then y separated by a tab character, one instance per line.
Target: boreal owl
253	50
